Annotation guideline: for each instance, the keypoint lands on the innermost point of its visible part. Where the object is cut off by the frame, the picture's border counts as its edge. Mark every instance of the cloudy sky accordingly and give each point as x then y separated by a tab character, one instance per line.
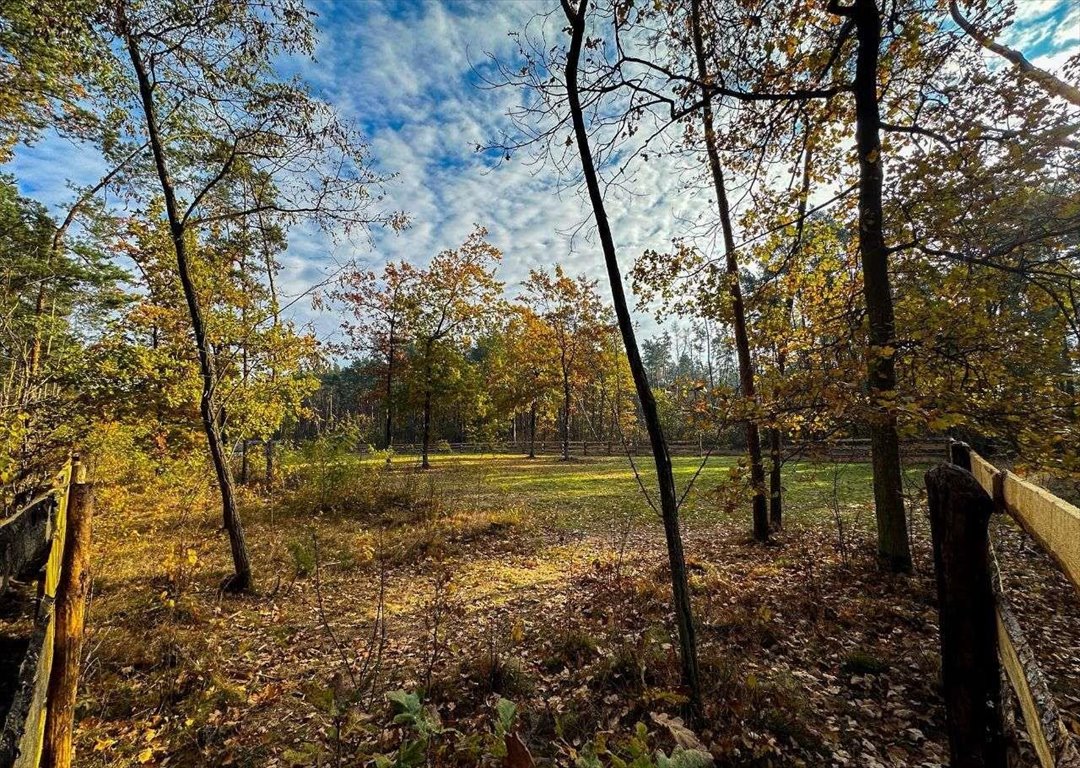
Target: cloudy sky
408	73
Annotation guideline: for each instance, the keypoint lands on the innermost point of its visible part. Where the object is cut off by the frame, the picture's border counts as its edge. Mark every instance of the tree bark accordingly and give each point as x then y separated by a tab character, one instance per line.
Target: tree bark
425	464
241	579
776	497
566	417
71	595
893	548
669	508
390	392
532	430
738	308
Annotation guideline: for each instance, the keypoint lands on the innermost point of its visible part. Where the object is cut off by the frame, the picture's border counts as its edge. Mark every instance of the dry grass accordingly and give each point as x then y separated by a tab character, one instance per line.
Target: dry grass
570	621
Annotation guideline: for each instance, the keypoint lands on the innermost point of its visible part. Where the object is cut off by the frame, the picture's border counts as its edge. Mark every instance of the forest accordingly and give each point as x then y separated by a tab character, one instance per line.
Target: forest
586	383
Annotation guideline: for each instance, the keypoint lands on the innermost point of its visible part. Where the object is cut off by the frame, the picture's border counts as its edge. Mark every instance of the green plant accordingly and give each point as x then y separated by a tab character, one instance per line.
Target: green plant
420	725
303	556
636	752
424	739
863	662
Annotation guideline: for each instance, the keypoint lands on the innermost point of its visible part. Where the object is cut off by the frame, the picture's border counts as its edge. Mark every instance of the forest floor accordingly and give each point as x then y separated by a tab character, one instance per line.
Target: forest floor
540	582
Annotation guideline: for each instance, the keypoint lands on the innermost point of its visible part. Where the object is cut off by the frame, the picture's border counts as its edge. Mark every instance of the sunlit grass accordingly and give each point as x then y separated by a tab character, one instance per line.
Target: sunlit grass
592	491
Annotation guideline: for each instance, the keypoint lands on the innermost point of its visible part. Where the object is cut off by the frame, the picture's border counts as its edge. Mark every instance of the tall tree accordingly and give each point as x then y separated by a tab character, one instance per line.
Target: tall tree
453	297
378	307
669	506
572	310
738	308
230	142
893	546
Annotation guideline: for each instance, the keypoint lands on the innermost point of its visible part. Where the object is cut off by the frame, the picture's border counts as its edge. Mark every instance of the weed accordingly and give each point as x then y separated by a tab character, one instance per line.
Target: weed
303	556
863	662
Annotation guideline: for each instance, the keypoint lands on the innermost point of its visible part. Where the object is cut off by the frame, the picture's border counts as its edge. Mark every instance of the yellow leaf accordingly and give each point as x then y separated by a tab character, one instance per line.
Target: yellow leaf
146	756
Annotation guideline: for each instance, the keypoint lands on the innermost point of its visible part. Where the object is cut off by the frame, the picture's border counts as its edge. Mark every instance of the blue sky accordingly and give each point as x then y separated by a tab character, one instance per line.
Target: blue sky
403	72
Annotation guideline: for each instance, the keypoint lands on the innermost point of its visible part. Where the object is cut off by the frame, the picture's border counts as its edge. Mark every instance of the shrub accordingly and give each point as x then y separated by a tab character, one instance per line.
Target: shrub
303	556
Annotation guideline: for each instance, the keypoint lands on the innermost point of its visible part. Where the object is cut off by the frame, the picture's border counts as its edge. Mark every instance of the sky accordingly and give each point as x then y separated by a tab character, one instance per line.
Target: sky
407	73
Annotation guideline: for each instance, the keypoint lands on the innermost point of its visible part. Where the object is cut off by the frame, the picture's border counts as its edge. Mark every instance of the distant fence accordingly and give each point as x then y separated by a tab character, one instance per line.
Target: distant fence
32	545
853	449
980	635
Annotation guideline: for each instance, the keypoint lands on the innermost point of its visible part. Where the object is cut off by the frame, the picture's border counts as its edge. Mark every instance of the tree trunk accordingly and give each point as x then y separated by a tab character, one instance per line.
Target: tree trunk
669	508
776	499
881	366
566	418
742	339
241	579
532	430
389	437
425	464
71	595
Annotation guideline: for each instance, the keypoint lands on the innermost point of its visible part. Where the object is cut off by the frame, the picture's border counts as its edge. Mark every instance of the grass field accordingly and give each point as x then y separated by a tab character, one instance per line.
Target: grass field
586	492
548	581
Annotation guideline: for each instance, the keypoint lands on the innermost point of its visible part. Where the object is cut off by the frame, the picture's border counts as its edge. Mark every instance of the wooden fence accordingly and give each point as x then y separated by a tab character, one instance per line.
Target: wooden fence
847	449
980	635
32	545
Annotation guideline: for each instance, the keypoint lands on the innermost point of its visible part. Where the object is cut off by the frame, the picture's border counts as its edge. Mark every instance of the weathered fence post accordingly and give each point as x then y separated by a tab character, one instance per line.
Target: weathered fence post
959	516
71	594
960	454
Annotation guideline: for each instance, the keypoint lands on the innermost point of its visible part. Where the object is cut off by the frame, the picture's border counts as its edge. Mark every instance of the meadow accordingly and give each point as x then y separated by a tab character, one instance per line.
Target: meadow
489	578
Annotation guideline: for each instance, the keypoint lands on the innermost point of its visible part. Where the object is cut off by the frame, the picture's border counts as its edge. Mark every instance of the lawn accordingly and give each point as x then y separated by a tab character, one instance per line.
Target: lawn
586	492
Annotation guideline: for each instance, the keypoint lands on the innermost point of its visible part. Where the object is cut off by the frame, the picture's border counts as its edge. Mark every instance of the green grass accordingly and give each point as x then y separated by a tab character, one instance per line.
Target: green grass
587	492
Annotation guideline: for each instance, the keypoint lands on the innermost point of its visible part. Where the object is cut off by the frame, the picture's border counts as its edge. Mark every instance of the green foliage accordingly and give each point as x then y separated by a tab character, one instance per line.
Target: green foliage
635	752
423	738
303	556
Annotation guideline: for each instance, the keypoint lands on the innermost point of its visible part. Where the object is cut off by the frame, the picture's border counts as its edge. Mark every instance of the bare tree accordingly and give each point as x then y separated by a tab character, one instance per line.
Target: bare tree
669	505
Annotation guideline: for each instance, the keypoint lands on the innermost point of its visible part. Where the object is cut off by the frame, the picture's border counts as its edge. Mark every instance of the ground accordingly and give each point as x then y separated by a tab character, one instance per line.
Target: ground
537	581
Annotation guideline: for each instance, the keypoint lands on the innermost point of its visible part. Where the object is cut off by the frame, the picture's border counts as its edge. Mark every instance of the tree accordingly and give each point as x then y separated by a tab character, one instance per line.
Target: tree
44	370
231	142
572	311
669	507
522	367
54	67
449	300
893	545
378	306
738	309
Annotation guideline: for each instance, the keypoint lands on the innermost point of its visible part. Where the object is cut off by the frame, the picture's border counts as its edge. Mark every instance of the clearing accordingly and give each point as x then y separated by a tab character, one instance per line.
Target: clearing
538	581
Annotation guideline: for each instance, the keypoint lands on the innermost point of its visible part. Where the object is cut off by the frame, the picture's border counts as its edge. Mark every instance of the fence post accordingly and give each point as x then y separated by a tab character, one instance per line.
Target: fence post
71	597
959	517
960	454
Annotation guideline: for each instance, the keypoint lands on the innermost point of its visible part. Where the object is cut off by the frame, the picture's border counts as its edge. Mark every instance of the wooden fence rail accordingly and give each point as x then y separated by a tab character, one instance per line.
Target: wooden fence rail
848	449
978	627
35	541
